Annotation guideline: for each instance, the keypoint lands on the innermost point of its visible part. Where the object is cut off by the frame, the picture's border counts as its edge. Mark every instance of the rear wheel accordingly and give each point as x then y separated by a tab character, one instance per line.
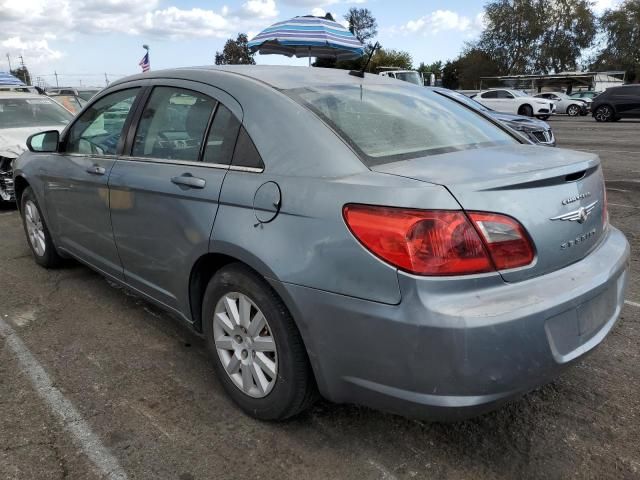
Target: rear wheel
604	113
573	110
257	351
42	247
526	110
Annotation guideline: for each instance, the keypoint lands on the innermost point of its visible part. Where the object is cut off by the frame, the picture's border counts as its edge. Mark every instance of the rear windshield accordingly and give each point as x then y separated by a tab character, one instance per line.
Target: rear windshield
31	112
385	123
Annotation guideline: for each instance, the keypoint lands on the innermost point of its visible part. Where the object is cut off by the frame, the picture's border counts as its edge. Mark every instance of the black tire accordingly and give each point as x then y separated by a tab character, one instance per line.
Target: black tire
544	117
573	110
294	389
50	257
616	119
604	113
526	110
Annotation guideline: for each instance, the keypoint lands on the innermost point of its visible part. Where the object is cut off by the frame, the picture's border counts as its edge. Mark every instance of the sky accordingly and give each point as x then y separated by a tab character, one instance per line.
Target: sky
82	40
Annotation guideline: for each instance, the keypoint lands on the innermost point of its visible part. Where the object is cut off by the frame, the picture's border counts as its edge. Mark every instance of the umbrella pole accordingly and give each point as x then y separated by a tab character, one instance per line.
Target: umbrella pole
309	55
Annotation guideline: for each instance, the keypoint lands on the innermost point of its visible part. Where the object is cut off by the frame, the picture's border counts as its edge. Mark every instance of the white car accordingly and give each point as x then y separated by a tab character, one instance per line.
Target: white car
517	102
21	115
565	104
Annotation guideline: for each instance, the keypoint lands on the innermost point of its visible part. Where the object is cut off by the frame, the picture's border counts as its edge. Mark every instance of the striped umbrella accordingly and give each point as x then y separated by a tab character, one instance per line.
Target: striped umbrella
8	79
308	36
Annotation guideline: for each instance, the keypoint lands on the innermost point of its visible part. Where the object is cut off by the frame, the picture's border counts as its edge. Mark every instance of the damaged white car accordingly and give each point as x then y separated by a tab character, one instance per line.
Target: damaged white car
21	115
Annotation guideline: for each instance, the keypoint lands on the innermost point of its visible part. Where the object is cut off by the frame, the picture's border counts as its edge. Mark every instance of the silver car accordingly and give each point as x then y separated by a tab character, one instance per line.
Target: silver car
367	239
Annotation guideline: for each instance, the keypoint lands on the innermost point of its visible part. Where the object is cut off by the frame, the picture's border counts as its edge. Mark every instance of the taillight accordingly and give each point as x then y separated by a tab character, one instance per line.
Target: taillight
505	239
440	242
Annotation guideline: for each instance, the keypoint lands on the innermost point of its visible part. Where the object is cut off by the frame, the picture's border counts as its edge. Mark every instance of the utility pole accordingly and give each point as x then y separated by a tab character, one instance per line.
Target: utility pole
56	74
9	60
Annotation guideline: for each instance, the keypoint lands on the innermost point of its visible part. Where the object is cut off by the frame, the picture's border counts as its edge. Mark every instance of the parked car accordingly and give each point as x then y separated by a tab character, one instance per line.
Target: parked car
22	114
536	131
73	103
565	104
85	94
616	103
366	237
410	76
585	94
515	101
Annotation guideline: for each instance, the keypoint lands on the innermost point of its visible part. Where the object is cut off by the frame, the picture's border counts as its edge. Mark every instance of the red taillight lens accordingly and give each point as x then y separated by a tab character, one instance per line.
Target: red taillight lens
505	239
439	242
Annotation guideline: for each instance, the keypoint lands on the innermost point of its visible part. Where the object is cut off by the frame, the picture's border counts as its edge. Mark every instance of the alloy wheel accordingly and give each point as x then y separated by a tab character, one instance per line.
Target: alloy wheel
603	114
35	228
573	110
245	344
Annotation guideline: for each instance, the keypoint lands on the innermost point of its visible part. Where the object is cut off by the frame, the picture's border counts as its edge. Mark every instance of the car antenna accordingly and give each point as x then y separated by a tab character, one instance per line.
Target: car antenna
360	73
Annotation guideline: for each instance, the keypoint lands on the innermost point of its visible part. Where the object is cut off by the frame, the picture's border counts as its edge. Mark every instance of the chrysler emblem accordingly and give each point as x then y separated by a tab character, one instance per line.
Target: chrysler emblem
580	215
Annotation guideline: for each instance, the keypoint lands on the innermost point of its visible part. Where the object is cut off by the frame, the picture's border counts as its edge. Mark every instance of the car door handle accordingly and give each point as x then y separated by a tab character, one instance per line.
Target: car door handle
96	170
189	181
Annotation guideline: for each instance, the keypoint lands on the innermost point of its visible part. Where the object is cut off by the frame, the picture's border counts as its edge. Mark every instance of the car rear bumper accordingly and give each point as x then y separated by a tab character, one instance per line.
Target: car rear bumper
447	354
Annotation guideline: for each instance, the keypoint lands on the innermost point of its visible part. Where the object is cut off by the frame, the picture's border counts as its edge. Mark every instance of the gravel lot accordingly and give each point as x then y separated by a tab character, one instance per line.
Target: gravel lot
137	387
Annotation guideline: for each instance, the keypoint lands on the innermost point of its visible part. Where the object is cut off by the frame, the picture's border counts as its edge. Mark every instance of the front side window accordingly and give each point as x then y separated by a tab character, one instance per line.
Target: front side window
384	123
16	112
173	124
98	130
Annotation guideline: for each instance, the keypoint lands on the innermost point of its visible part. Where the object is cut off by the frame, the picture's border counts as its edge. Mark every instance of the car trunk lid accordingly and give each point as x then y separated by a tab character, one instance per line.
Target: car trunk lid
557	195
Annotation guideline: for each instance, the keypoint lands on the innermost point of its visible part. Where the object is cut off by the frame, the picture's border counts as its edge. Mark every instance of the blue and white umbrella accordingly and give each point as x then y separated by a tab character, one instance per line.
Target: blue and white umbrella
8	79
308	37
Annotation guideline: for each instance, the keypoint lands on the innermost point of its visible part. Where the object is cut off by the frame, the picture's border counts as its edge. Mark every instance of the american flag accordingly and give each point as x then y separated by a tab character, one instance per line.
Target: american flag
144	63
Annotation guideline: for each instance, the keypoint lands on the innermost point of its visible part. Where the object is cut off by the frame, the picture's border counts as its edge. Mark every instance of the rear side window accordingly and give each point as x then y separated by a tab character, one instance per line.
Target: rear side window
173	124
503	94
490	95
384	123
222	137
246	153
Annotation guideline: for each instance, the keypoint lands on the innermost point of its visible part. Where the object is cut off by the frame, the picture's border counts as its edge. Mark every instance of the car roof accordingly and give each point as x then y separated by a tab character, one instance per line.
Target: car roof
278	77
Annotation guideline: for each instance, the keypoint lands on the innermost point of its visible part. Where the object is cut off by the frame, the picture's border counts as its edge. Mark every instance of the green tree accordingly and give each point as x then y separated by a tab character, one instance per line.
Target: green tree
571	27
390	58
472	64
435	68
23	74
621	30
235	52
362	24
450	75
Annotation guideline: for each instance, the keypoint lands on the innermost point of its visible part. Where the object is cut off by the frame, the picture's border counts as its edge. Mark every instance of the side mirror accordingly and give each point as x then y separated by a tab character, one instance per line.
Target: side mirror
44	141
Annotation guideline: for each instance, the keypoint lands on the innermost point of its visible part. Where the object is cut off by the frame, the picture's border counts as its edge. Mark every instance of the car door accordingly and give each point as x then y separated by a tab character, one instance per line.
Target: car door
490	99
505	102
164	196
628	101
76	189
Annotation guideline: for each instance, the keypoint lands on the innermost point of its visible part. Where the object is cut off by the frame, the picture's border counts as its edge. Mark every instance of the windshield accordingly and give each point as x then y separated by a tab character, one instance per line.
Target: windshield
385	123
31	112
412	77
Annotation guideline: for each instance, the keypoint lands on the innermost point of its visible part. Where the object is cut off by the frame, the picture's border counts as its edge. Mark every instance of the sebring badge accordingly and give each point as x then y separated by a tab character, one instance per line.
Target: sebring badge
580	215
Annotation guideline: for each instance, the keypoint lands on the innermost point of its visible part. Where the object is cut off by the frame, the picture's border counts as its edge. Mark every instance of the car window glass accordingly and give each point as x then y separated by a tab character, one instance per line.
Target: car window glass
222	137
98	130
173	124
246	153
504	95
492	94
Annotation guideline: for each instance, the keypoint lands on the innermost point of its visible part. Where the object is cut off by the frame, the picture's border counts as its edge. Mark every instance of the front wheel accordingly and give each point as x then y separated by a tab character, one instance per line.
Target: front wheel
604	113
257	351
526	110
573	110
42	247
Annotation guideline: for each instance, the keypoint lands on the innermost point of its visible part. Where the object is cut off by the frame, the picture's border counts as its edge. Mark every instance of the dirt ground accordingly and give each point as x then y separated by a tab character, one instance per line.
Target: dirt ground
145	396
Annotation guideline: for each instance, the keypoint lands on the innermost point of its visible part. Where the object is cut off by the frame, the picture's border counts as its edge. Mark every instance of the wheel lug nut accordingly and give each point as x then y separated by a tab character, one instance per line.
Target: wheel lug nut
244	354
238	339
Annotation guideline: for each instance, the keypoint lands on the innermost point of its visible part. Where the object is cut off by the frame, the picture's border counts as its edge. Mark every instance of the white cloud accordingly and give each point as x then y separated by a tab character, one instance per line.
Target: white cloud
261	8
318	12
312	3
444	20
39	50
